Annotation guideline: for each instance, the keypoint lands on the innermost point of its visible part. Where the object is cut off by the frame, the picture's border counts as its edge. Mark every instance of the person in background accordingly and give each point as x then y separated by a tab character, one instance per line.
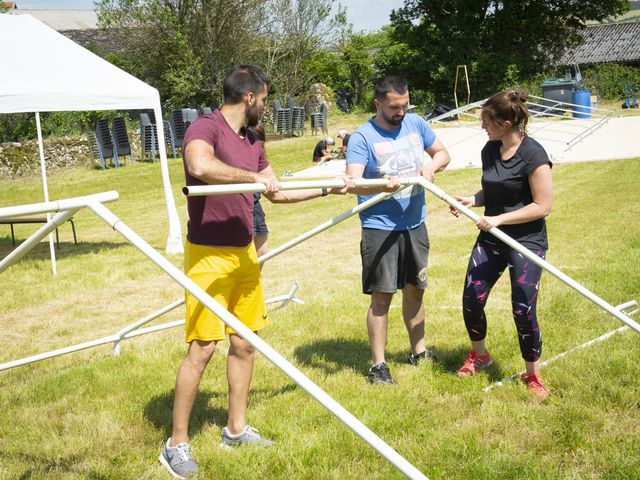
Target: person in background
321	152
516	195
395	245
344	136
260	229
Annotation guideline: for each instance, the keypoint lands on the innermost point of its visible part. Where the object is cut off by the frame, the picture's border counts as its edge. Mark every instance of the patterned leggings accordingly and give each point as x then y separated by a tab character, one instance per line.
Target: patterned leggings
488	261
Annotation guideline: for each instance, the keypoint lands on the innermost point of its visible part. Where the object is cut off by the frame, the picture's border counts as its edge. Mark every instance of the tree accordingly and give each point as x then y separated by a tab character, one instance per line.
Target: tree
185	47
495	39
295	30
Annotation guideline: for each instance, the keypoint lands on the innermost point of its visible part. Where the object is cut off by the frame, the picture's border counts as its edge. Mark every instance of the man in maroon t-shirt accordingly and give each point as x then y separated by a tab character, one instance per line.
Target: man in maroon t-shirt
220	258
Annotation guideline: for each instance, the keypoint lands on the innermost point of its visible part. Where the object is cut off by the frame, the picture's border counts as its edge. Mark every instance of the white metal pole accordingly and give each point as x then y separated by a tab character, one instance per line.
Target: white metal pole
85	345
174	238
278	360
22	249
323	226
438	192
199	190
601	338
57	205
129	328
45	187
285	299
57	353
130	333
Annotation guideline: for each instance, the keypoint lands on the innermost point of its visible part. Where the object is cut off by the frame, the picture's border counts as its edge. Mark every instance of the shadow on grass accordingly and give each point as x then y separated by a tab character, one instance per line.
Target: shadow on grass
73	464
451	360
160	408
66	250
334	355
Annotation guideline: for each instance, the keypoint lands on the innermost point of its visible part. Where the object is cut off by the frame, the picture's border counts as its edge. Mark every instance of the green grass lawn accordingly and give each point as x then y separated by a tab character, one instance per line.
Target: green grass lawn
94	416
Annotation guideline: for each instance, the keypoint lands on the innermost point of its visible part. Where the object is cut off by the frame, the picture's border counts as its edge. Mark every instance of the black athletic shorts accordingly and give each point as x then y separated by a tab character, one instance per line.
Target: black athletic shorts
259	222
391	259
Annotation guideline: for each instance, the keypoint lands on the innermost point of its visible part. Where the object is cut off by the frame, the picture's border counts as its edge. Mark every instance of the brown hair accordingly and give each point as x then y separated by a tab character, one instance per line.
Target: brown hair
508	106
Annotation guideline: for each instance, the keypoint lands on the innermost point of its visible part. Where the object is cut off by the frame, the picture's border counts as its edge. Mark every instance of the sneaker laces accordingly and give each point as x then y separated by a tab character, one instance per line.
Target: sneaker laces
470	362
534	382
183	452
252	432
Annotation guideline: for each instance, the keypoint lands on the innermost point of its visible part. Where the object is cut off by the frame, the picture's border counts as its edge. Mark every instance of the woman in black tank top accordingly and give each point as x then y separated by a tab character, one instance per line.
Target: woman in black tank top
517	195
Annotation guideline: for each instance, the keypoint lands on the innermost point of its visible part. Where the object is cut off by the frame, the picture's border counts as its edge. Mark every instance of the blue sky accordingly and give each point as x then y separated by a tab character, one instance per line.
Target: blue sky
364	14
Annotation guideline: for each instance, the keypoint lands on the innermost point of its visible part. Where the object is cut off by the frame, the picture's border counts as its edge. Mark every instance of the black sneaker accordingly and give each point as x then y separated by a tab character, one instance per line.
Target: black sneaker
380	374
419	358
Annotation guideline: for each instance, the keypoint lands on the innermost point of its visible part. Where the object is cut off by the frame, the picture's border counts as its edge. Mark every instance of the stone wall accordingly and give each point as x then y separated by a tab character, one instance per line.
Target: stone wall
23	159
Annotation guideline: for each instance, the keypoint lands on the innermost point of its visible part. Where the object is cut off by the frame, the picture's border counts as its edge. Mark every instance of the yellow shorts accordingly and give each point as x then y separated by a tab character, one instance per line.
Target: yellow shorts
231	275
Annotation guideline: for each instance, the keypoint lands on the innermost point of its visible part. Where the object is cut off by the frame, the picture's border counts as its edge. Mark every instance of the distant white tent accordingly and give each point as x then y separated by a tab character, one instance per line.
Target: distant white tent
43	71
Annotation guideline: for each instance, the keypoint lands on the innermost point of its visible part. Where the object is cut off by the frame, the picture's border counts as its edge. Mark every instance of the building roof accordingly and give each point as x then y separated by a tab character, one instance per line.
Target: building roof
615	42
62	20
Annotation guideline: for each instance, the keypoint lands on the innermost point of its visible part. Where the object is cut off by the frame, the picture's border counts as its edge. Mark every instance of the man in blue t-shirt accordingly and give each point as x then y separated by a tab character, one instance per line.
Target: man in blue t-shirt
395	244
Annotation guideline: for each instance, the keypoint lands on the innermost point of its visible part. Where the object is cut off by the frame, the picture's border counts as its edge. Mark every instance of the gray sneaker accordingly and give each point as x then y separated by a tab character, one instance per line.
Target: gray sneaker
250	436
380	374
418	359
178	460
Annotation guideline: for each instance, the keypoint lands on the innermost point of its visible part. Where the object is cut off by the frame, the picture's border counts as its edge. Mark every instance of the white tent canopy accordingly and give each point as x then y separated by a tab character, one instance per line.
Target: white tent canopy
43	71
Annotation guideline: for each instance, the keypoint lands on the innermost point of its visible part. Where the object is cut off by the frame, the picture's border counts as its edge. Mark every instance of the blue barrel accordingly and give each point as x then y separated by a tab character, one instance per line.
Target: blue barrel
583	99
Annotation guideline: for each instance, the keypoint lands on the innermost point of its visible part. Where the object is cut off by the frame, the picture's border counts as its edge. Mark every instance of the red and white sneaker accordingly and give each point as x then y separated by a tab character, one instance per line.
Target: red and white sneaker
535	386
474	363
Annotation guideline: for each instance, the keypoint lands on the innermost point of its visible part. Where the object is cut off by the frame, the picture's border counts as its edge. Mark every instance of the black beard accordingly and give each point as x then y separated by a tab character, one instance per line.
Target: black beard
391	120
253	117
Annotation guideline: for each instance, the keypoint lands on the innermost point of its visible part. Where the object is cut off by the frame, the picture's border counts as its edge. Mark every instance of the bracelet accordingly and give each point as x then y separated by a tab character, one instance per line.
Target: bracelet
324	193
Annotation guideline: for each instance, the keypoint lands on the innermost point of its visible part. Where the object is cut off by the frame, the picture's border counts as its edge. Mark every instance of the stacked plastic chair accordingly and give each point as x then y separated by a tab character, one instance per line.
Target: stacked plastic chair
297	117
178	128
120	137
104	144
189	115
169	137
148	136
281	119
319	120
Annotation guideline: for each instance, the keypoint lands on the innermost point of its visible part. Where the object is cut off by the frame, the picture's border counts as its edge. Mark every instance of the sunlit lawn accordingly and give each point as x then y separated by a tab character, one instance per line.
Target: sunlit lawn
91	415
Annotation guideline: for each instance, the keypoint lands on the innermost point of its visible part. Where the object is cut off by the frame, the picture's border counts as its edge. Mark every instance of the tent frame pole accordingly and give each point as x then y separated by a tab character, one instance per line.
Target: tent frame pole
438	192
323	226
45	187
259	344
599	339
174	239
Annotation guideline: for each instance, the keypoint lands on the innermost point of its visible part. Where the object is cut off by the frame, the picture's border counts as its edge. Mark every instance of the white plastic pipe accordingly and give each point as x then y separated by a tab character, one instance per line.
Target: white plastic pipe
278	360
285	299
45	188
85	345
57	205
601	338
125	332
199	190
324	226
22	249
174	238
438	192
129	328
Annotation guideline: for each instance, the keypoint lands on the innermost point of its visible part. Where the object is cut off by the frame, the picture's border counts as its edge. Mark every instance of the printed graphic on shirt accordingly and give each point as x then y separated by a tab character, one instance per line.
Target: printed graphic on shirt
400	158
